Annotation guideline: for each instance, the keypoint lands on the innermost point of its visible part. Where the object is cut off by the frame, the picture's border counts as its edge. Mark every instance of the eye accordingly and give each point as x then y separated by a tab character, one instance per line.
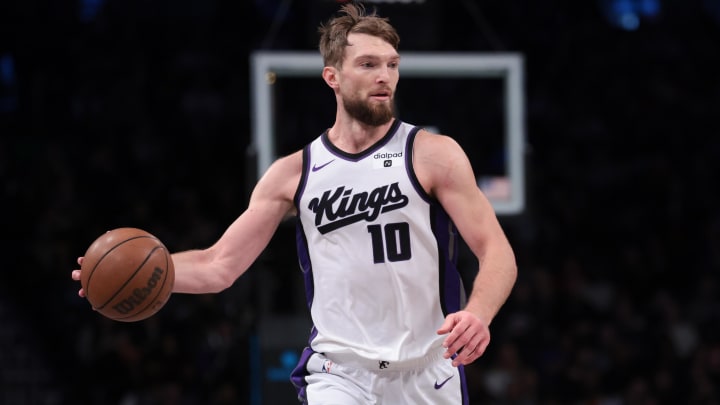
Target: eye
393	65
367	64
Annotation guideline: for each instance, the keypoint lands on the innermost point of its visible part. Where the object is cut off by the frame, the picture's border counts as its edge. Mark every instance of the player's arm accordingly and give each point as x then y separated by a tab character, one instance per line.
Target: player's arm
449	177
217	267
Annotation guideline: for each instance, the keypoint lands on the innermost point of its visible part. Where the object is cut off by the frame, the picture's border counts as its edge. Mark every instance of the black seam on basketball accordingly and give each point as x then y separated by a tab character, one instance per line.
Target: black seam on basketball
119	289
159	290
92	271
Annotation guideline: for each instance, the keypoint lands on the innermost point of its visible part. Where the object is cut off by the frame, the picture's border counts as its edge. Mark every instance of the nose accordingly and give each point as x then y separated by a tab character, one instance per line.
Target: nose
383	75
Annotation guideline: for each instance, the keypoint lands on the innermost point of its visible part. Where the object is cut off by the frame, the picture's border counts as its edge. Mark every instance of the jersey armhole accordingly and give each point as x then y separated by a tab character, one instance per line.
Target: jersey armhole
409	148
303	178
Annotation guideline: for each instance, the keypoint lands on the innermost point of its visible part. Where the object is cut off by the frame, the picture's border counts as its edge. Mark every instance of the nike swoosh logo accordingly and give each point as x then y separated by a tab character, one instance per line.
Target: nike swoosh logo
438	386
316	167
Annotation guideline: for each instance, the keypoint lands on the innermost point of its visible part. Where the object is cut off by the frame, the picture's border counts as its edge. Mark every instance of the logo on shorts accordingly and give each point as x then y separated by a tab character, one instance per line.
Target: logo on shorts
382	364
438	386
327	365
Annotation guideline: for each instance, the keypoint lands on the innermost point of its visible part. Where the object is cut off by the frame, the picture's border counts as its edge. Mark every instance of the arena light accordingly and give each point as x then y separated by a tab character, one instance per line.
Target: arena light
628	14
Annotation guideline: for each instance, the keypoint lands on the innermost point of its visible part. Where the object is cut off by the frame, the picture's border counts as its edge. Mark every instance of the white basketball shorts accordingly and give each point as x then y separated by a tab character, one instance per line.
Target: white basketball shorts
349	380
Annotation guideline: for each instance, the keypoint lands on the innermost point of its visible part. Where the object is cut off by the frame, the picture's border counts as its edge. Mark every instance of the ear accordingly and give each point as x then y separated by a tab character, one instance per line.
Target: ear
329	74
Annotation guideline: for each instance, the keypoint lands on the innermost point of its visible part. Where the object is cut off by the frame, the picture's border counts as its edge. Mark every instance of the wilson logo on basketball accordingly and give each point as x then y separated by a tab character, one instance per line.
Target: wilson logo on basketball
139	294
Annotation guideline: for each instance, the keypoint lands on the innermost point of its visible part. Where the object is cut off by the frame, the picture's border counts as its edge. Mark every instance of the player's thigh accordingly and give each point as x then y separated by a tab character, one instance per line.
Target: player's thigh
331	389
440	383
329	383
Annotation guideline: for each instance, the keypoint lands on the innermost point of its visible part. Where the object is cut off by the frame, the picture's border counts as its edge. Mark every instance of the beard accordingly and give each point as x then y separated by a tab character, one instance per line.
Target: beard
373	114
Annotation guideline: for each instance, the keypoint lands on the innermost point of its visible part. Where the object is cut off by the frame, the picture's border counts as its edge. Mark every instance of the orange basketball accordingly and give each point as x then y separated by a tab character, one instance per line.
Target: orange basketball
127	274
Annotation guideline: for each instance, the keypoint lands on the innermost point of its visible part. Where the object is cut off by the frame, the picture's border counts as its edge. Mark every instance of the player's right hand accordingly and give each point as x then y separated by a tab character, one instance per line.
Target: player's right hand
76	276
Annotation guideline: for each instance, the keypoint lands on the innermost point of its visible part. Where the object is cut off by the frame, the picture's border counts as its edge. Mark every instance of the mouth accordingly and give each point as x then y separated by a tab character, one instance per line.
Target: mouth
381	95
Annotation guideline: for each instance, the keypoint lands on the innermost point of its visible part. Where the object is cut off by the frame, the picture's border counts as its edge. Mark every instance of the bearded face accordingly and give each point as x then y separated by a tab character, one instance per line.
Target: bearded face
369	112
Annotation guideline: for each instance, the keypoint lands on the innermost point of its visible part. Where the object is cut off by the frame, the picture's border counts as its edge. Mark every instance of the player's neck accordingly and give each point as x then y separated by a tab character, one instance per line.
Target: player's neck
352	136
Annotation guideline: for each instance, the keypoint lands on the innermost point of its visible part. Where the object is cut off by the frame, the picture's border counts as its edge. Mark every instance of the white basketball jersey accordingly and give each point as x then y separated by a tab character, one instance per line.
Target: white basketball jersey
378	254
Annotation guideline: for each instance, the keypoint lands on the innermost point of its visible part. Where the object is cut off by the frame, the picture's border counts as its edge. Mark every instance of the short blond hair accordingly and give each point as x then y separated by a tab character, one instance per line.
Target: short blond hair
352	19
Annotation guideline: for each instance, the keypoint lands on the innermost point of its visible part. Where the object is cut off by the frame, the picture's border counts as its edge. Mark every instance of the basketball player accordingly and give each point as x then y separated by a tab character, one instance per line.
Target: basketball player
377	201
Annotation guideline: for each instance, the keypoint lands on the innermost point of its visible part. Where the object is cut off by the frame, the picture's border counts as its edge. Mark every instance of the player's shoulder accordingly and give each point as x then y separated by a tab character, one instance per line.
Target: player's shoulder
437	158
435	145
283	175
288	165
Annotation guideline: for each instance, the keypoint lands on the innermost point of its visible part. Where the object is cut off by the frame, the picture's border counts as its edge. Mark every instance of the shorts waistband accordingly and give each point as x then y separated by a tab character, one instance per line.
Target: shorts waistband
353	360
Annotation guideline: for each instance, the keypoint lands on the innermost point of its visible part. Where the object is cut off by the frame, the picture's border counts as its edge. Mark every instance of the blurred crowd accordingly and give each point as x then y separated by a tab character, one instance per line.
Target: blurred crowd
618	296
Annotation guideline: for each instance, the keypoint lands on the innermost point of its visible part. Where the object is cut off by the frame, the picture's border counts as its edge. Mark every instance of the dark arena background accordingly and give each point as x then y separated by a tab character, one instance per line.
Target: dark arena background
138	113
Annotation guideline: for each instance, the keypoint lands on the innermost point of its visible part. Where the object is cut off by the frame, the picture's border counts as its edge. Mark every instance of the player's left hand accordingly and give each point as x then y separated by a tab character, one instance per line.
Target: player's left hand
468	337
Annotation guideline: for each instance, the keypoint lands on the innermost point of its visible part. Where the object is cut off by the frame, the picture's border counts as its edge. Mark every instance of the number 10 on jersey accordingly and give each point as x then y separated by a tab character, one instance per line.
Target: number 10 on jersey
391	241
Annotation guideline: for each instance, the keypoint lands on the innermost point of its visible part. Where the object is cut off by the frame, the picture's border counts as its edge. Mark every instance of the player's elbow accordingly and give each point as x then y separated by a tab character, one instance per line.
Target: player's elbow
226	279
513	272
224	271
511	263
503	258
